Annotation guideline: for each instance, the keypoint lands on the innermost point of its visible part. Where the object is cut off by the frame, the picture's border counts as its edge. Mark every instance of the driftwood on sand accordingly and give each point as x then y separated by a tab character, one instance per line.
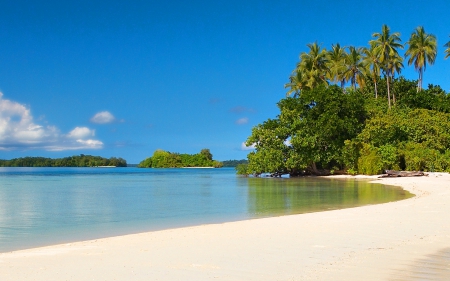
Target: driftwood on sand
394	174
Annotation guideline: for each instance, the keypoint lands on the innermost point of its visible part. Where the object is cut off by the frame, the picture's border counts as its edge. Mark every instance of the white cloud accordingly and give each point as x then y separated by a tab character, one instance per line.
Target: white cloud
103	118
242	121
245	147
18	130
91	143
81	133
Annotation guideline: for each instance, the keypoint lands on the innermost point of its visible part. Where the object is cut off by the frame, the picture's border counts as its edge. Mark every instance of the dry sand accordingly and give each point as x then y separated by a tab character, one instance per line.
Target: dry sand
404	240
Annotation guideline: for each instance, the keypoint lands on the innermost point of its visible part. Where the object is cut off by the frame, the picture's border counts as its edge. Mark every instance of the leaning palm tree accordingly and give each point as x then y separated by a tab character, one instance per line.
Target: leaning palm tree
355	67
314	65
422	49
447	51
371	59
336	64
386	44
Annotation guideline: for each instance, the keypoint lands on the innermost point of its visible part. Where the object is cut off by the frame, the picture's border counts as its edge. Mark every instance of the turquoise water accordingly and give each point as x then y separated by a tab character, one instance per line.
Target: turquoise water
42	206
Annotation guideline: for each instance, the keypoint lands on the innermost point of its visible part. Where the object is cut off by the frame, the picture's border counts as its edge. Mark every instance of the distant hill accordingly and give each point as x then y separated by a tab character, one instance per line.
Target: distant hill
234	163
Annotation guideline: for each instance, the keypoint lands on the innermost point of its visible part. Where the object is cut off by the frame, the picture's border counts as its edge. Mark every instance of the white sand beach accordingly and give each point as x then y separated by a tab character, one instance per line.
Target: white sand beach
404	240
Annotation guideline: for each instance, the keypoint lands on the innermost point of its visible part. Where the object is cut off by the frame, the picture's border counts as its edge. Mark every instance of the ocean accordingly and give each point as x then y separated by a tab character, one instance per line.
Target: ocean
45	206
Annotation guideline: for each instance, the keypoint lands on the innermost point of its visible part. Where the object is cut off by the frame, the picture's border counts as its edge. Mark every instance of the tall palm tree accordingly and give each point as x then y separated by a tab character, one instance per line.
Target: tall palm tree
447	51
394	65
314	65
355	67
386	44
371	58
422	48
336	64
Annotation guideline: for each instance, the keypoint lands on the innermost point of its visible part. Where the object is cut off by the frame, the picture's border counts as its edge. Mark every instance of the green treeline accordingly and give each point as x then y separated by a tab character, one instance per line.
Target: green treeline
165	159
380	122
234	163
72	161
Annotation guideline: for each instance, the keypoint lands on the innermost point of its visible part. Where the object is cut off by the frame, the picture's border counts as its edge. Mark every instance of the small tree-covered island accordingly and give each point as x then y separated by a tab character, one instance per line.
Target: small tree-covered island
165	159
382	121
71	161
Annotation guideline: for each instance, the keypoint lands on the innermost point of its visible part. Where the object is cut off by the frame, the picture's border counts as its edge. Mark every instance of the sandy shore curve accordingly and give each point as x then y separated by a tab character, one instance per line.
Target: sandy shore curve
403	240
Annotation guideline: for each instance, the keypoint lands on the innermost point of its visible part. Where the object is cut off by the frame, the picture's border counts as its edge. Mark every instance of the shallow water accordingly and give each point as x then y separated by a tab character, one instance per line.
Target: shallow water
42	206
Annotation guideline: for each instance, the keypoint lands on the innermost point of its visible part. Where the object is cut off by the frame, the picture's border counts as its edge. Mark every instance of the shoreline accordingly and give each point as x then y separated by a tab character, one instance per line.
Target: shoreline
375	242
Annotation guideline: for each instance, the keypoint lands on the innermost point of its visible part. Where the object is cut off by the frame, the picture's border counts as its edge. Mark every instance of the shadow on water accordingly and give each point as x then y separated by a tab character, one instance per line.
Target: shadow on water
434	267
273	197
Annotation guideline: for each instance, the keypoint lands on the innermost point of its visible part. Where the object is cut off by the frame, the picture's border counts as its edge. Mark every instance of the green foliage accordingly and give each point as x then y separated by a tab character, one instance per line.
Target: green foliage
72	161
165	159
234	163
206	154
308	134
370	162
404	138
242	169
324	128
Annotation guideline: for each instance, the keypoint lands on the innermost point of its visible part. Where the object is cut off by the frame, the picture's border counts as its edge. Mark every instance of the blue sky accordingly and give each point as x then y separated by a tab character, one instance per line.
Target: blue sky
113	78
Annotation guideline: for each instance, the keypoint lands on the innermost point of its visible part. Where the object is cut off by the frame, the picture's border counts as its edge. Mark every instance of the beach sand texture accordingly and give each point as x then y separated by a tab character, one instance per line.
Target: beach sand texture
404	240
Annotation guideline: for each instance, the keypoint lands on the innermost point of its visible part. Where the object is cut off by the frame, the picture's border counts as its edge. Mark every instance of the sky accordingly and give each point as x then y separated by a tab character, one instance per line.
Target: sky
124	78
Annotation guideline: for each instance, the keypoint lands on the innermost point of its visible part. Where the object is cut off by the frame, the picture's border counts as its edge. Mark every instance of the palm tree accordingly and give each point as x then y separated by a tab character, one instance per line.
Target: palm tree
447	51
336	64
297	82
314	65
386	44
394	65
355	67
371	59
422	49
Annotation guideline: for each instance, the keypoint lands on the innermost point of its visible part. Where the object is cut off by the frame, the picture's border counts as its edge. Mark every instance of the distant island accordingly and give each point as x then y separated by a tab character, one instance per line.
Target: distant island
165	159
72	161
234	163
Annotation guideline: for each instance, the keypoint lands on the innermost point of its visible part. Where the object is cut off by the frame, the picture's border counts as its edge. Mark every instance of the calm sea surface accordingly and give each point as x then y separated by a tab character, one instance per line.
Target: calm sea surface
42	206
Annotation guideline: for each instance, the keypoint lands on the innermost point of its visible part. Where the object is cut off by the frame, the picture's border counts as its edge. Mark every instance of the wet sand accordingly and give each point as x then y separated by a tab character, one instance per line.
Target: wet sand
403	240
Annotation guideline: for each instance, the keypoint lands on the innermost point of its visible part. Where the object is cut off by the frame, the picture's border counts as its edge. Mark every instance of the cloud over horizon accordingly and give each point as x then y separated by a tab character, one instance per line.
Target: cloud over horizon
103	117
19	131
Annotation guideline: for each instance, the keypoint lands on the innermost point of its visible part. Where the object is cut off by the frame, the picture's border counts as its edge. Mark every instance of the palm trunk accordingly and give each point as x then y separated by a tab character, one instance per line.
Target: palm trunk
393	92
389	93
376	90
420	79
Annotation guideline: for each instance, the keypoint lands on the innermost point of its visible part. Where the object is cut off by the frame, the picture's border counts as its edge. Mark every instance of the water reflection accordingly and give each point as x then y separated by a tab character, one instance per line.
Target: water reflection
272	197
53	205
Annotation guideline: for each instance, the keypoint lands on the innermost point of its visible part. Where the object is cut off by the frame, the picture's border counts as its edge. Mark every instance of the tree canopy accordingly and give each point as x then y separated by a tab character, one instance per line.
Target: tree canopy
380	122
165	159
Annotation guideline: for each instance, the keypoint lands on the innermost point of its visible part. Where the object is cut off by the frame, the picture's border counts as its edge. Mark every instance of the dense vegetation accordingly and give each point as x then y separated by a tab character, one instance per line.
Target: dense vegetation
165	159
379	122
72	161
